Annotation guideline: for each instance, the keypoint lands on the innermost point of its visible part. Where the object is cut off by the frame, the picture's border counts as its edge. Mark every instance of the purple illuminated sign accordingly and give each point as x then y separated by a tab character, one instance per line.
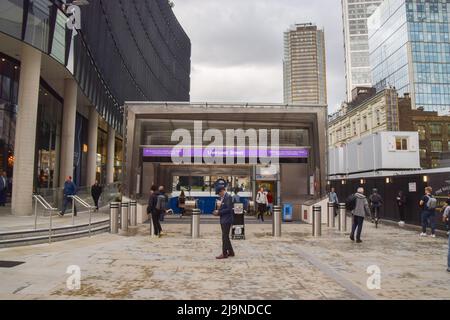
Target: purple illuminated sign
165	152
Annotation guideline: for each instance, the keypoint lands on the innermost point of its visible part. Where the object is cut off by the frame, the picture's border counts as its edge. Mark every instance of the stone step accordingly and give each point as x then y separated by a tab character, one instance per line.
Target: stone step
69	233
30	237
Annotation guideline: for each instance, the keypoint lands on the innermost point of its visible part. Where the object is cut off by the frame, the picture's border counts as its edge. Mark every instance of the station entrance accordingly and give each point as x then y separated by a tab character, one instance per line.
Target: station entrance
153	133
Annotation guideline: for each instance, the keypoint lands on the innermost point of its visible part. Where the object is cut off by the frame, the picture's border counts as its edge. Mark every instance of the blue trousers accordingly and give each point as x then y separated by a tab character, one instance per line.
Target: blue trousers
431	217
68	201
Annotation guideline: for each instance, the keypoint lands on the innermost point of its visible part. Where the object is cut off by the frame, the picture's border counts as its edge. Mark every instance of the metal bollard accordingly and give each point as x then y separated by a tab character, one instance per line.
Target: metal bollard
133	213
331	223
276	224
124	218
342	218
195	224
114	217
317	221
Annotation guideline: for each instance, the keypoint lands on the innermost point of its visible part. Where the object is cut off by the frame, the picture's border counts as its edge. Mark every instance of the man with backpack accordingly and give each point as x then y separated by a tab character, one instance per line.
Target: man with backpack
160	207
428	204
359	206
375	205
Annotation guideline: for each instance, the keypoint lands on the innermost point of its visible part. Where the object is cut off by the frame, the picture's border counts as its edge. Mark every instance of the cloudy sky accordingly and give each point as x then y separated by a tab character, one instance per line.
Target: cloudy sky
237	46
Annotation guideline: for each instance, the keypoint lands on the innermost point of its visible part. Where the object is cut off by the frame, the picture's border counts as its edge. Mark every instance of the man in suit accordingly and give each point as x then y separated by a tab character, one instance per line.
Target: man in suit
225	212
3	188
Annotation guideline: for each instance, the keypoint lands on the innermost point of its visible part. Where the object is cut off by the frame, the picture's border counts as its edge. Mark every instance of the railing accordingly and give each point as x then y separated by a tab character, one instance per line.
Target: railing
38	199
84	204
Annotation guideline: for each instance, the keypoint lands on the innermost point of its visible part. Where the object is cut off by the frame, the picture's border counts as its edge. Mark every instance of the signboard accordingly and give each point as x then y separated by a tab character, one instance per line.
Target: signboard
166	152
412	187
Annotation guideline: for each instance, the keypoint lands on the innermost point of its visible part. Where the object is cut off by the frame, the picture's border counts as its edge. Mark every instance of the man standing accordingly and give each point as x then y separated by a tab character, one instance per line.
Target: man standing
428	204
96	191
151	210
375	204
3	188
69	190
360	211
333	198
161	206
401	205
446	218
225	212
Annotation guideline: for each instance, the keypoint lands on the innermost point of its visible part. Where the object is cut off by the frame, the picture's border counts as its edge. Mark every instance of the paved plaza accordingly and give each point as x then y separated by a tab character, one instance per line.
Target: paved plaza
296	266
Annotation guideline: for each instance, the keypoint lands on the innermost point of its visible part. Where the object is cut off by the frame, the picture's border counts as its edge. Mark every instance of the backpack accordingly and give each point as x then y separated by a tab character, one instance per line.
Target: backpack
161	202
431	203
350	203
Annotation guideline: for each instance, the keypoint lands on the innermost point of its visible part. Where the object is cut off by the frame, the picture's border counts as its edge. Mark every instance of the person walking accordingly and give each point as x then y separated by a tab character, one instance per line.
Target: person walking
225	211
236	198
3	189
270	202
151	210
161	206
401	205
333	198
70	189
375	205
182	203
96	192
261	201
446	218
361	210
428	204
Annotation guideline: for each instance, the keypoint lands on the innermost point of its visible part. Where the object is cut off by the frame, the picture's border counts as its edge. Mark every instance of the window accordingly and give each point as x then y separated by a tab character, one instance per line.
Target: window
401	143
365	123
435	163
422	132
435	128
436	146
378	117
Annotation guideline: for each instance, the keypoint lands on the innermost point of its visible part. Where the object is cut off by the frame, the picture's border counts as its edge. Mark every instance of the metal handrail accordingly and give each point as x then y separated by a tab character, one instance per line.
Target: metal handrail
76	198
47	207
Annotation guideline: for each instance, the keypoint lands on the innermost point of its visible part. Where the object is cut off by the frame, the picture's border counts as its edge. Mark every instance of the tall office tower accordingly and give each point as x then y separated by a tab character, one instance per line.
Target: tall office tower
356	42
304	65
409	42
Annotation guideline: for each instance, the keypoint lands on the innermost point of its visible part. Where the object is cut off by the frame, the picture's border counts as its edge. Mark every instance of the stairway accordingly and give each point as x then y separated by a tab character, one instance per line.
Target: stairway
31	237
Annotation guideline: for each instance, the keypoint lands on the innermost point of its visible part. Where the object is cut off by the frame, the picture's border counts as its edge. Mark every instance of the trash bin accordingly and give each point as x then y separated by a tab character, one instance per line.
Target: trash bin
287	212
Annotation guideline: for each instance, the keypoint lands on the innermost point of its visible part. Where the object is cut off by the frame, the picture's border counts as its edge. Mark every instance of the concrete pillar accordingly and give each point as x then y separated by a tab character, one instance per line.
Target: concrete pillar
25	140
110	155
92	147
68	130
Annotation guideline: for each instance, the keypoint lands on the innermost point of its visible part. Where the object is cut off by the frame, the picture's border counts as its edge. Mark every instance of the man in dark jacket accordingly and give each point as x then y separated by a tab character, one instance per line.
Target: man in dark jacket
151	210
70	189
96	192
375	205
225	212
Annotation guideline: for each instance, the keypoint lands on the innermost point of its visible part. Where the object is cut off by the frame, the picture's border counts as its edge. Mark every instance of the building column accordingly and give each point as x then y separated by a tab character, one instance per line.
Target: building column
92	147
110	155
25	140
68	130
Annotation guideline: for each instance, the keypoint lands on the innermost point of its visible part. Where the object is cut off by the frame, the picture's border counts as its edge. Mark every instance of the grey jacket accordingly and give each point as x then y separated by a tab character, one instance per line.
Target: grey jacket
362	206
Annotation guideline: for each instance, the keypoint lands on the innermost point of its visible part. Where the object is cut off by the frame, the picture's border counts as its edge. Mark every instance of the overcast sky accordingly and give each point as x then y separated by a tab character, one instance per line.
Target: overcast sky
237	46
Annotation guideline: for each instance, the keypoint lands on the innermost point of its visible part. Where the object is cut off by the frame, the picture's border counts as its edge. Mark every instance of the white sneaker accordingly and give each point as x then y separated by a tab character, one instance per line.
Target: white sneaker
401	223
423	234
448	233
433	236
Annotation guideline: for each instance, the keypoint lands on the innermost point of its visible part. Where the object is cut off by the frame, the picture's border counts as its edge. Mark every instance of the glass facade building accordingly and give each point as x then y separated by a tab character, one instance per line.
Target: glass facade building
410	50
131	50
356	42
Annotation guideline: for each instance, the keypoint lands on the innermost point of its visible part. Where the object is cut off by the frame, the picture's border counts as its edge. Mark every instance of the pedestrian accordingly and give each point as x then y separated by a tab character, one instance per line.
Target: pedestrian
225	211
161	206
446	218
236	198
70	189
261	202
182	203
375	205
401	205
270	202
151	210
447	221
361	210
96	192
333	198
3	189
428	204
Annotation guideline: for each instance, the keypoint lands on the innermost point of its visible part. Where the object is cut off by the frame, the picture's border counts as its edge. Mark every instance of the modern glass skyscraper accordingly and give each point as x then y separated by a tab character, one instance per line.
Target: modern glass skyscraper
304	65
356	43
409	44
